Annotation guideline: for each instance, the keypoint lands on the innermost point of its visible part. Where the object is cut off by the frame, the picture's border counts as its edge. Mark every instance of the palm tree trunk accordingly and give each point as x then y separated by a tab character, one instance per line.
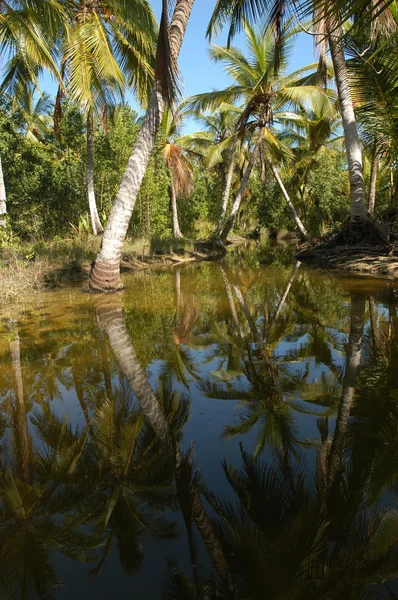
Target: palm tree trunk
174	211
110	315
3	199
227	189
105	275
94	218
287	290
238	198
373	184
352	143
21	426
279	181
353	361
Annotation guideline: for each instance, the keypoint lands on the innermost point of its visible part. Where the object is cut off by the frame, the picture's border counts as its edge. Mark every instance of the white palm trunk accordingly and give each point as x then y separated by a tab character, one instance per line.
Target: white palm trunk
174	211
105	275
96	226
3	199
373	184
227	188
352	143
353	361
238	198
287	290
286	196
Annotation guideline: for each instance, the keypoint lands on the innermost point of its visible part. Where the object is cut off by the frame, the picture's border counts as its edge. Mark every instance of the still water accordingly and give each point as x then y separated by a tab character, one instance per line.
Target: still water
215	431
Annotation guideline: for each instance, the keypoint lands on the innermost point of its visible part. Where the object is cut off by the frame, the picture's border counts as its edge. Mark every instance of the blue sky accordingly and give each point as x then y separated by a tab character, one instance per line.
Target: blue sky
198	72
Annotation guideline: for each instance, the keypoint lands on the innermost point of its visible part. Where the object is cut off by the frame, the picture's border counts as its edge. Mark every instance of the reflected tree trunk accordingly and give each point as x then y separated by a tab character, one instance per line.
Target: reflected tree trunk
245	179
374	326
3	198
231	302
105	274
353	360
287	290
96	226
286	196
22	440
111	318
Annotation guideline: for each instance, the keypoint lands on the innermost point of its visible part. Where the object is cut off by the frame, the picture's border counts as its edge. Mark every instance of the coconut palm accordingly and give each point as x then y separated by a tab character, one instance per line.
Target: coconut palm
27	34
177	162
106	47
329	18
261	81
105	274
33	109
218	145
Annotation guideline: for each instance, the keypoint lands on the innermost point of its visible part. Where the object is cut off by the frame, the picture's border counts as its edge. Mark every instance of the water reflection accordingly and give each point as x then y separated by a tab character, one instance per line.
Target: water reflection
107	443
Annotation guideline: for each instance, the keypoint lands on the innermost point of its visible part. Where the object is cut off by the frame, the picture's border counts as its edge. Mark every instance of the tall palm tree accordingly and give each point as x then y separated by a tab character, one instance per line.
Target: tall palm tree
27	34
329	18
106	47
105	274
218	145
178	164
261	81
34	110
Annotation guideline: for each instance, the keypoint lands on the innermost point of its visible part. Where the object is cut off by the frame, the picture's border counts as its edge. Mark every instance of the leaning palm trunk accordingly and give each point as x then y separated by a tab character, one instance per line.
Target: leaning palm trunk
279	181
227	188
287	290
353	361
110	316
174	211
352	143
21	426
238	198
96	226
105	275
373	184
3	199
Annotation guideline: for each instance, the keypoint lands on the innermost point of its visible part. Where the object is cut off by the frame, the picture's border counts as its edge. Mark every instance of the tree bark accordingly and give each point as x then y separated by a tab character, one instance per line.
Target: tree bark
96	226
174	211
353	361
111	317
373	184
287	290
352	143
22	441
227	188
279	181
105	275
3	199
238	198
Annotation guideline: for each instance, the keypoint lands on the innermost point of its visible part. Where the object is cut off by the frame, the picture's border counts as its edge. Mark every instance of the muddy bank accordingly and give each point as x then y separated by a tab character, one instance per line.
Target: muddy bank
373	261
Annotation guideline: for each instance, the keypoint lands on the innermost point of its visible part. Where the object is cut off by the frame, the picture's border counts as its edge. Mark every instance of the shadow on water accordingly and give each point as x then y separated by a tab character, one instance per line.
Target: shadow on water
217	431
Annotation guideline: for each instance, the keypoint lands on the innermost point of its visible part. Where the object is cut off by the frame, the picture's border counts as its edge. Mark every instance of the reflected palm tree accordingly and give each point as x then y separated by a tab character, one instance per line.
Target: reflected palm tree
267	391
33	500
153	407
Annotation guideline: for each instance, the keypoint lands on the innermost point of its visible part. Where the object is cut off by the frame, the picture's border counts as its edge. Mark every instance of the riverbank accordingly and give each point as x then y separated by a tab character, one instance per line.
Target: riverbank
372	261
28	268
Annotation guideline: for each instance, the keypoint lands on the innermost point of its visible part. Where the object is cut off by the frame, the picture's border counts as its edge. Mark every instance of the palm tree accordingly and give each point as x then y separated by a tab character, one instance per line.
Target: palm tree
34	113
105	274
261	81
105	47
27	35
178	164
328	18
218	145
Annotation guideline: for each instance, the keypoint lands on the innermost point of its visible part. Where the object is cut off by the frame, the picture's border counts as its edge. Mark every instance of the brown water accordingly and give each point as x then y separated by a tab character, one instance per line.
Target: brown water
216	431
